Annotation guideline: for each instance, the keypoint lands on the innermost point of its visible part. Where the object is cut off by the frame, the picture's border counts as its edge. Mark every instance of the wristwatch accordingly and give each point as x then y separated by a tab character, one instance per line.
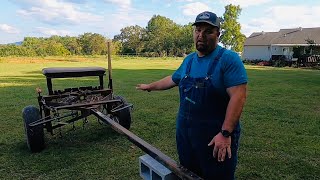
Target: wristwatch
225	133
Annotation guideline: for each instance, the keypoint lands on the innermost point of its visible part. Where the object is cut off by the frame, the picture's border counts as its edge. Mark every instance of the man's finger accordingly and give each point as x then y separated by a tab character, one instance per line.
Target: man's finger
223	154
211	142
219	155
215	151
229	152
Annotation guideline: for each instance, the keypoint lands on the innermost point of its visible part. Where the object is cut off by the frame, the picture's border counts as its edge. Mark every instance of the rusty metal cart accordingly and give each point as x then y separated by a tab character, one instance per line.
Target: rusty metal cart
63	107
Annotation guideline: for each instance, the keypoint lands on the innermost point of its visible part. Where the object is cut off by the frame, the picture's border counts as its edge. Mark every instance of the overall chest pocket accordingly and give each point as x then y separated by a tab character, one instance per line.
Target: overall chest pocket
194	92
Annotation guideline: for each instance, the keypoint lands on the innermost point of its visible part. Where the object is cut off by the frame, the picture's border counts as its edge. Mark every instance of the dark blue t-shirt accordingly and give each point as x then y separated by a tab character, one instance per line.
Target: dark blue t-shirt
228	72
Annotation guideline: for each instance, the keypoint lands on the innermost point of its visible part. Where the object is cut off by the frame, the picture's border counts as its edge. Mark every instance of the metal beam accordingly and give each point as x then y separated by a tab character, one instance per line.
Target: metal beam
78	105
179	170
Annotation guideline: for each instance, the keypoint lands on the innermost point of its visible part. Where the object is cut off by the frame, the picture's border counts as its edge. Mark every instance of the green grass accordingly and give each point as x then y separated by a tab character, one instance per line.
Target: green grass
280	123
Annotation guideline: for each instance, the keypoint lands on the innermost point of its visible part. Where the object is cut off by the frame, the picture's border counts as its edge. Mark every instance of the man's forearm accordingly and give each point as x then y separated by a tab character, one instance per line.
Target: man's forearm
163	84
235	107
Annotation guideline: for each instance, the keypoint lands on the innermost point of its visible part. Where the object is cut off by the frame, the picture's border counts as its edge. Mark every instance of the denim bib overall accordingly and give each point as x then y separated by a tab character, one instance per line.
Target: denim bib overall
201	115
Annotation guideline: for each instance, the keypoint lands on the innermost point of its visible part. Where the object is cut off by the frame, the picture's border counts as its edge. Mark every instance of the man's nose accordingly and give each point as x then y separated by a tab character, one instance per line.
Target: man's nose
201	35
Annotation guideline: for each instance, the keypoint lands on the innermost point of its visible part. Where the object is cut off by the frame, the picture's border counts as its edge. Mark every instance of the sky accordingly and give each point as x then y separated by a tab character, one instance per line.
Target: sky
44	18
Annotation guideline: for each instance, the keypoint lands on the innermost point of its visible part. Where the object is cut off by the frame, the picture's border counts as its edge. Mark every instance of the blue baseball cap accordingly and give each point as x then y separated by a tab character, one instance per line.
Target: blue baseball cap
207	17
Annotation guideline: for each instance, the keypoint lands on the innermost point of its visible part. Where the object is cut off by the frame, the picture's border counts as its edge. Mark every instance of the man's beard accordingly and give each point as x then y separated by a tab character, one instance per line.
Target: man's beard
202	47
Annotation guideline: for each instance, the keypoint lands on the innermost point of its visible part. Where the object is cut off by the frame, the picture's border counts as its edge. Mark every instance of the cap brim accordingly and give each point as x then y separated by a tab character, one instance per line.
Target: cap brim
203	21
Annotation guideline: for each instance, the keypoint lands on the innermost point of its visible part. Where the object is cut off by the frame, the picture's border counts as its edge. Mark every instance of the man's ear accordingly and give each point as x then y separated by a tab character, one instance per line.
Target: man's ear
218	31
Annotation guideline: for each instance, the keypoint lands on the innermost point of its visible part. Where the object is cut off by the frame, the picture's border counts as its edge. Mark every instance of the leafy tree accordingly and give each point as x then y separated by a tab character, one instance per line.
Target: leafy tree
231	36
88	43
185	40
116	47
93	44
15	50
46	46
312	44
297	51
36	44
72	44
32	42
53	48
131	38
160	35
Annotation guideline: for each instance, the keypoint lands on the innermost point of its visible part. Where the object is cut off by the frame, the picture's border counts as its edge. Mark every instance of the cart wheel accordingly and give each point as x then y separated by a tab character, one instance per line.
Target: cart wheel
34	135
123	117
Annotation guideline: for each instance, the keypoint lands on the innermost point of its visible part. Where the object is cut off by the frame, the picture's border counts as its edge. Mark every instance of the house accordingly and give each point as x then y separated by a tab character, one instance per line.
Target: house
287	43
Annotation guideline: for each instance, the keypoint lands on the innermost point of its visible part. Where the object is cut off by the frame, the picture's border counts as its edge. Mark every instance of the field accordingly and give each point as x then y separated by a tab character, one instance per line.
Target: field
280	123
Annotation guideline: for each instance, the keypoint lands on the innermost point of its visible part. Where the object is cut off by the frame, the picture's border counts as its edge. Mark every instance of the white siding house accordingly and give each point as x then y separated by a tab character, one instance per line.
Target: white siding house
265	45
256	52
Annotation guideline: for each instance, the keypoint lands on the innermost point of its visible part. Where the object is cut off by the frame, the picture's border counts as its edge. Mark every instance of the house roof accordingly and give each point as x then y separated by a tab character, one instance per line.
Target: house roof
296	36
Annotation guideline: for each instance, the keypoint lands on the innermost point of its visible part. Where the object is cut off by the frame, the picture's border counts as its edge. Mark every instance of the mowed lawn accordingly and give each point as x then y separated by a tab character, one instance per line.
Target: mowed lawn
280	123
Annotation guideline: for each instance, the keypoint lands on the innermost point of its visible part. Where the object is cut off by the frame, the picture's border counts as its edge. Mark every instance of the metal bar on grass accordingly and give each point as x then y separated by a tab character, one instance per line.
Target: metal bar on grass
179	170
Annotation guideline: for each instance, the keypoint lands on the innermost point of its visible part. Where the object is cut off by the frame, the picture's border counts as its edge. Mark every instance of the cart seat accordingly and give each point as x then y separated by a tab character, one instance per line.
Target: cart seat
65	72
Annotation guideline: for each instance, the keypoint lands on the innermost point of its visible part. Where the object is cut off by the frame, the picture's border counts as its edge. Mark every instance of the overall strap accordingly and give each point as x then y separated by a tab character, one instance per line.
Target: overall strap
189	65
213	63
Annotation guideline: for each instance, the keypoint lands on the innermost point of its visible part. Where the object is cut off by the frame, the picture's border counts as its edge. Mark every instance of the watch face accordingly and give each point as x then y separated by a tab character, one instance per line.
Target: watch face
225	133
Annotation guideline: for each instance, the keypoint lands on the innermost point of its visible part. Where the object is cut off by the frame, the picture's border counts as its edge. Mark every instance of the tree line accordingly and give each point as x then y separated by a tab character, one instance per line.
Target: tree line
86	44
161	37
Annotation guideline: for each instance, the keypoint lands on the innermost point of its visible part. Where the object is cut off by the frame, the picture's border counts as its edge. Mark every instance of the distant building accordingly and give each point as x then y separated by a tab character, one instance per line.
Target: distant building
266	45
